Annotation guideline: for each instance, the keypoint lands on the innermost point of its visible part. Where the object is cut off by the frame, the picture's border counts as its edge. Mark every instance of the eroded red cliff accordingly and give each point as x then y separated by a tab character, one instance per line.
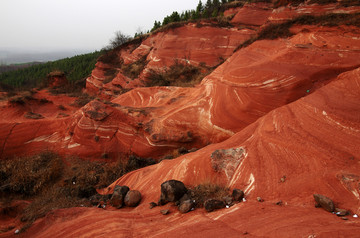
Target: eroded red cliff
287	110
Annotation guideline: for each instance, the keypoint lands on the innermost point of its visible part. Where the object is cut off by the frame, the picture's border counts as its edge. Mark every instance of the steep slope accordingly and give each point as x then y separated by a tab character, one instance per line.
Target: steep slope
204	45
154	121
313	142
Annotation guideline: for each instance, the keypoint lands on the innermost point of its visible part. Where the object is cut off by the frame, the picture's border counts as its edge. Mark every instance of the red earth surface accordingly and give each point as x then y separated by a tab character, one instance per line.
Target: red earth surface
287	110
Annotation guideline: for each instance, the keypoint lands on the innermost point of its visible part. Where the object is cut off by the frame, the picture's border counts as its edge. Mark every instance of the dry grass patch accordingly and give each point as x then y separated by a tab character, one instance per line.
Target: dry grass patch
205	191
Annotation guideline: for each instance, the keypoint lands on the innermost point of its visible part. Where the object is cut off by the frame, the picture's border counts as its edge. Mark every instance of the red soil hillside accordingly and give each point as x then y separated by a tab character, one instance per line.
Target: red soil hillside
279	119
313	142
202	45
153	121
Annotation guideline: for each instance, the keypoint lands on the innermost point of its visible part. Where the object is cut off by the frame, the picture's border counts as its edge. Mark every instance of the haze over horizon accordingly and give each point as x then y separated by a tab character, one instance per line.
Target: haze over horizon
81	25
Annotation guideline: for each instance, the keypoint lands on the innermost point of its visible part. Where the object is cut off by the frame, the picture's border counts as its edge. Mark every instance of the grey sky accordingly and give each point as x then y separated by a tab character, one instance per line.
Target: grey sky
78	24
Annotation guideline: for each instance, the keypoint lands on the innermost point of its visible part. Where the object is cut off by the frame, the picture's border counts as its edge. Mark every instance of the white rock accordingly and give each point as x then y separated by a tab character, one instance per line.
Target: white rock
17	231
356	216
244	200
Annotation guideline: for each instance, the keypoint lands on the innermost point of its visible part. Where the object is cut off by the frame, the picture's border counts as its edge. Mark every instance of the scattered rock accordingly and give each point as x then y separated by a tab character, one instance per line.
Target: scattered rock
165	212
186	206
279	203
132	198
152	205
228	200
345	218
341	212
238	195
171	191
183	199
259	199
324	202
283	179
213	204
117	198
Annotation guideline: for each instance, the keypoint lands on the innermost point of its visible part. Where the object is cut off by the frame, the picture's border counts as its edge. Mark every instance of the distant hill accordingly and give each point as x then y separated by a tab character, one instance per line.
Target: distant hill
75	68
19	56
11	67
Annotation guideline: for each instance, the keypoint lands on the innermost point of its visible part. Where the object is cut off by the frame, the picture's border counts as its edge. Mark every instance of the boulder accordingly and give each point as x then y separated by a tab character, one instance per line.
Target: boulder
132	198
117	198
238	195
324	202
186	206
171	191
213	204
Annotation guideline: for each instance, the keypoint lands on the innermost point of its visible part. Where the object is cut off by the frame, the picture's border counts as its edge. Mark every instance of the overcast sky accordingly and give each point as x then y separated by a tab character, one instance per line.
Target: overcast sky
78	24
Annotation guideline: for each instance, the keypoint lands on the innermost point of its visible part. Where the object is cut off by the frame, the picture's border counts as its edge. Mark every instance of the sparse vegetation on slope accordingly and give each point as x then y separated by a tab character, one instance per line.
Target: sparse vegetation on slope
178	74
282	30
52	182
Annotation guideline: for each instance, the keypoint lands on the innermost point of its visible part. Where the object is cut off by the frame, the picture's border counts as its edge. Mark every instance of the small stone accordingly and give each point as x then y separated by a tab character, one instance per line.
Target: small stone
132	198
282	179
152	205
165	212
355	216
238	195
279	203
117	198
259	199
17	231
186	206
341	212
345	218
324	202
213	204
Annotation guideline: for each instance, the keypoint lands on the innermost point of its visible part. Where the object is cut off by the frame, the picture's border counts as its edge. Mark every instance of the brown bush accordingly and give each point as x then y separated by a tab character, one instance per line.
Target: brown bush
282	30
133	70
82	100
180	75
205	191
51	182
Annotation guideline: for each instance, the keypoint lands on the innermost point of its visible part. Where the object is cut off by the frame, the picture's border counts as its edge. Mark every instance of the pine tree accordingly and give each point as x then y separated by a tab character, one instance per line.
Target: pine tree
199	8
